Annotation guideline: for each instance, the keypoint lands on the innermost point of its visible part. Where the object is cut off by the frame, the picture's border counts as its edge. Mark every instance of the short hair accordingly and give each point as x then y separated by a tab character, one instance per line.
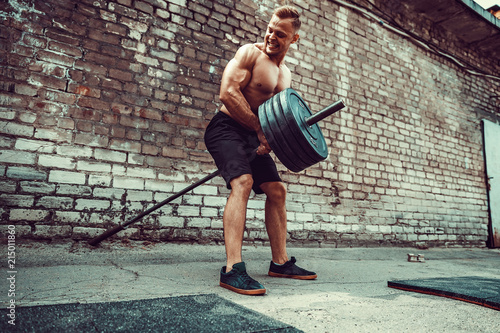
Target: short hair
287	11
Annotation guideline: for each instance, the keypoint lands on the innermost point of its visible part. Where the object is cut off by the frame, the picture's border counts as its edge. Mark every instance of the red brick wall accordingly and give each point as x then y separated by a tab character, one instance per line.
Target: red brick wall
103	106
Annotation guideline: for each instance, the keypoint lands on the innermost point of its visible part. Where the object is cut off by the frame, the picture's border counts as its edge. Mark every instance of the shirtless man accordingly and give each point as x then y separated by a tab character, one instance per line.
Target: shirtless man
256	73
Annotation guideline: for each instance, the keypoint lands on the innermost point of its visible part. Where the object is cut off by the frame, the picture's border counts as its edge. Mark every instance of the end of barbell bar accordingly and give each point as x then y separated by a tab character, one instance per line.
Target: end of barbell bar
328	111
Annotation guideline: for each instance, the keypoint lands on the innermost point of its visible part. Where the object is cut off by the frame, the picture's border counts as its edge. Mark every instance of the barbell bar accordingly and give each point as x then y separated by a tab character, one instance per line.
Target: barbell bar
292	132
120	227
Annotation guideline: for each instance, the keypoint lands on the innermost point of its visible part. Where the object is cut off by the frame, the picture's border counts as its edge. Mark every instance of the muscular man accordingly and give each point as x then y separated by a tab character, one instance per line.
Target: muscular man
256	73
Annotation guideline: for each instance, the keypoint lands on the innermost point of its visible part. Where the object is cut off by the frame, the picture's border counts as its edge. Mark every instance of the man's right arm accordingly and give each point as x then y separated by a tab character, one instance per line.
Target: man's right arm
235	78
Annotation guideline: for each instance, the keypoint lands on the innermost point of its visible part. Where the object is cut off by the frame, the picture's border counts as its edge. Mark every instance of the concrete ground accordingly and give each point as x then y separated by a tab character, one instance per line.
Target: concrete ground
350	294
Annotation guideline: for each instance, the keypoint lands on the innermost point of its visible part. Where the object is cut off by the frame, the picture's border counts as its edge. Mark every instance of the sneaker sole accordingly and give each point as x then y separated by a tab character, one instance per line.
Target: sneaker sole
298	277
243	291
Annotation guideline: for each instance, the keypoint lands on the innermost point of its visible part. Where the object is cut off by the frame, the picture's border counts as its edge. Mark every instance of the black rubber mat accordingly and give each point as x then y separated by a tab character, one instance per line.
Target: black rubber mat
199	313
473	289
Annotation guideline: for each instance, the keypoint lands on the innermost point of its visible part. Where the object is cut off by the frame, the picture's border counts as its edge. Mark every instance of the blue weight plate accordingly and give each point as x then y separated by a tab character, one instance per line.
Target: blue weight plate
282	133
272	139
288	156
310	137
290	132
311	133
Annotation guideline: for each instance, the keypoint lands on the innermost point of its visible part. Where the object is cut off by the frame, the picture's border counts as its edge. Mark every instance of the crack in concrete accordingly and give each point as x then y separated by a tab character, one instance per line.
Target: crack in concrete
134	273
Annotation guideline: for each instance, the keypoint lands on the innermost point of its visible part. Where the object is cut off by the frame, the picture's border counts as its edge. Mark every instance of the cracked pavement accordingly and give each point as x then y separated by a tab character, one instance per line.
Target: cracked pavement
350	294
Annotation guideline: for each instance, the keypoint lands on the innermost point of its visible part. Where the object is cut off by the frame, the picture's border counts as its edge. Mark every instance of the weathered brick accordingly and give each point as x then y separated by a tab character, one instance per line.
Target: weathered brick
65	49
134	122
90	67
135	159
174	153
92	103
147	60
35	145
209	212
51	231
211	201
37	187
158	186
16	200
125	146
86	233
75	151
143	6
56	161
16	129
21	230
18	157
141	172
129	183
112	84
25	173
28	215
93	166
91	204
24	89
91	140
70	217
109	193
109	155
53	134
120	75
7	186
100	180
55	202
66	177
77	190
7	114
198	223
102	37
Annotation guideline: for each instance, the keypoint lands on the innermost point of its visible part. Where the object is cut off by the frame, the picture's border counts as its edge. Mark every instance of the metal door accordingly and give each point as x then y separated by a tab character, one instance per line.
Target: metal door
491	135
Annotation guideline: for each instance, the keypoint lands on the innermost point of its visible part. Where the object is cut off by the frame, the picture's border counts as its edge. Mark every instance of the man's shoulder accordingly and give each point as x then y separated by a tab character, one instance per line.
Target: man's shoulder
253	48
248	54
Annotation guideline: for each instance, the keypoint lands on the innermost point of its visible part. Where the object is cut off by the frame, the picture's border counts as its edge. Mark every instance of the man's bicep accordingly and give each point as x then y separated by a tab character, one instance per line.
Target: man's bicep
238	71
235	75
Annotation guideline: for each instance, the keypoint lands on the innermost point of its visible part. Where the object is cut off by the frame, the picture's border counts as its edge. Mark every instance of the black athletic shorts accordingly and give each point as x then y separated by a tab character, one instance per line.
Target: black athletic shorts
233	148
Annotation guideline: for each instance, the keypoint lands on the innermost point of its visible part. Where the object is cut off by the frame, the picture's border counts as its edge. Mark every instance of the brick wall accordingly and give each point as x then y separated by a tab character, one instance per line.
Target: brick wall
103	106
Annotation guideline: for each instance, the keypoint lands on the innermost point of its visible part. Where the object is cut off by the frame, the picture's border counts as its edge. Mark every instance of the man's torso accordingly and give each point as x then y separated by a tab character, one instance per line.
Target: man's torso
267	79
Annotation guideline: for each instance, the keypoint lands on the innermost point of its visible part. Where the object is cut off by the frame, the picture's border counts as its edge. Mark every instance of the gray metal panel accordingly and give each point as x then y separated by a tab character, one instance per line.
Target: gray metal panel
492	156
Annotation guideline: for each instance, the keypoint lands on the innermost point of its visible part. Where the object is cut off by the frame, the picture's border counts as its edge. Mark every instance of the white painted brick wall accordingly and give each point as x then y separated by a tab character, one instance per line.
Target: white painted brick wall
405	164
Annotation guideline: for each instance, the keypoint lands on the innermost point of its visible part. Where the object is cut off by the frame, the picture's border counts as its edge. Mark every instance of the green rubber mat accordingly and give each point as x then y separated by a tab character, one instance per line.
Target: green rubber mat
473	289
198	313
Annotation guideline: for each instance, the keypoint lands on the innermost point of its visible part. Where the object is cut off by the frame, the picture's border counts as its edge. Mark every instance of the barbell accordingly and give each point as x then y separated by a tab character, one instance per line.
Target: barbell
292	132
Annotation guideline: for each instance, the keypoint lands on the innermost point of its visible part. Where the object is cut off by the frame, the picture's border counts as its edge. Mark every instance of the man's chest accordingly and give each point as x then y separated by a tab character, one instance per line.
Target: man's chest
269	78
